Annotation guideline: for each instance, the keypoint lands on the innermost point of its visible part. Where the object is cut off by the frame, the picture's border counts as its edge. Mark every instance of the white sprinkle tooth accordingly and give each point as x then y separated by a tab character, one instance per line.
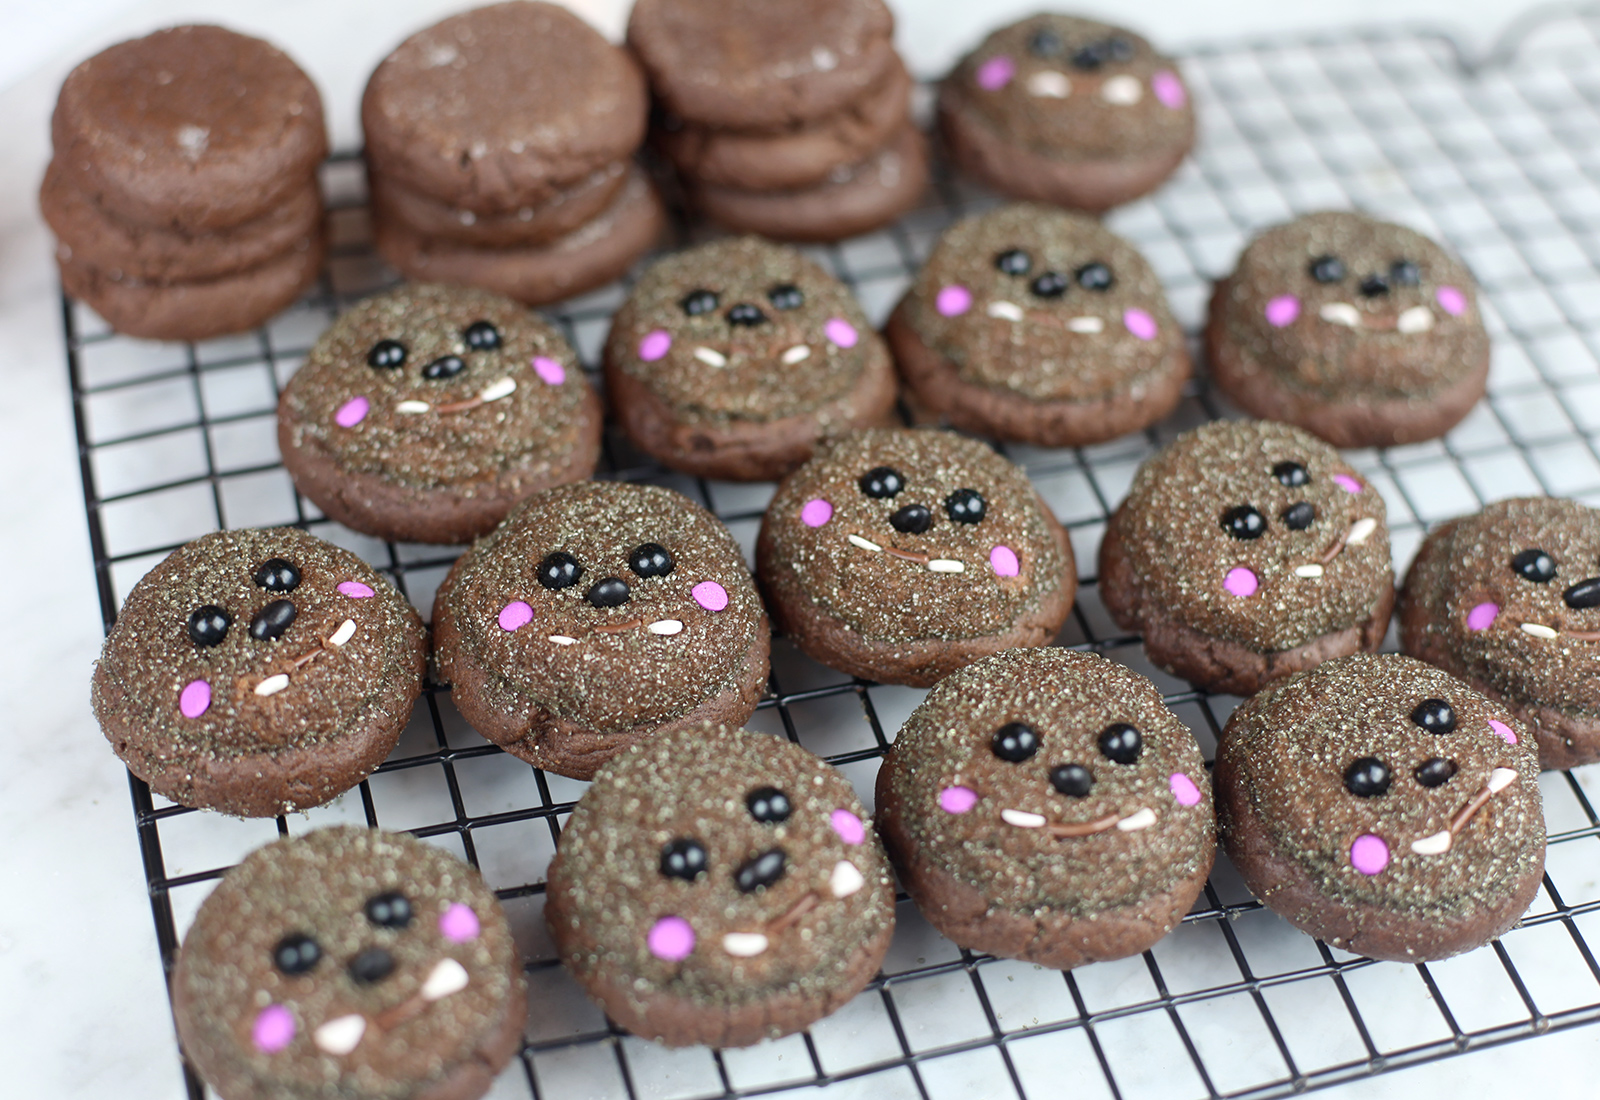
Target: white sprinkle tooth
797	354
865	544
1500	779
947	565
665	627
744	945
346	631
1539	630
846	879
1022	819
446	977
1122	90
273	684
562	639
496	390
1435	845
1143	819
1341	313
1087	326
710	357
1312	570
1050	84
1006	311
342	1035
1360	531
1415	319
412	408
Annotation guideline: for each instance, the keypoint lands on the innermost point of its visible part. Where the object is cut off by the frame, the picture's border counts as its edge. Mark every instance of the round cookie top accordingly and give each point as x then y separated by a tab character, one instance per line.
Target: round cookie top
435	386
1075	89
347	962
497	107
1043	302
1390	783
194	123
753	65
1046	778
721	867
906	534
1342	304
1256	532
741	329
631	586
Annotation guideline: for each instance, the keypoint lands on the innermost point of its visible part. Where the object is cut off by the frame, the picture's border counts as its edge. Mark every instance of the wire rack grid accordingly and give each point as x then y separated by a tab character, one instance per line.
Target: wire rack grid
1503	164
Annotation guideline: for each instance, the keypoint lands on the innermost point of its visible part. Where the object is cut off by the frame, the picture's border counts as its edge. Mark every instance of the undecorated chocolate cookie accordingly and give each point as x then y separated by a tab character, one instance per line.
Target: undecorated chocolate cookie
258	672
901	556
349	964
731	360
1506	599
1067	111
1360	331
1247	550
1036	324
1045	805
425	414
1384	806
595	616
719	886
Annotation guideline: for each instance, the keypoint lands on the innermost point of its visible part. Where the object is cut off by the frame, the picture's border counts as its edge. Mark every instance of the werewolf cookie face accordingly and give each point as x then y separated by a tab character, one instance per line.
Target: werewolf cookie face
258	671
350	963
720	886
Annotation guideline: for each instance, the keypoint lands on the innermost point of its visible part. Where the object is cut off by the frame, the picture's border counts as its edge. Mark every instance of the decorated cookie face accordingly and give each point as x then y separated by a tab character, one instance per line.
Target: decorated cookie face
1063	85
1259	533
1341	303
347	960
1044	303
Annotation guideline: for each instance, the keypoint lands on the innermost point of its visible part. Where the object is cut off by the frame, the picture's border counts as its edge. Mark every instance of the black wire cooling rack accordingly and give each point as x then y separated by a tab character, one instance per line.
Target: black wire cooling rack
1502	161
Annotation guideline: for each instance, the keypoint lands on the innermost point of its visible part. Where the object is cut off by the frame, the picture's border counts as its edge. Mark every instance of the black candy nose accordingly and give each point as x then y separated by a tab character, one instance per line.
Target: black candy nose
913	519
271	621
1374	285
1583	595
762	871
609	592
372	965
447	366
745	314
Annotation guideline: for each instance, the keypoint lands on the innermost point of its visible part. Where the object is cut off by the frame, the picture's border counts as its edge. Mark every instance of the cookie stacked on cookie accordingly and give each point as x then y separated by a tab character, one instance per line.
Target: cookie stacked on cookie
788	120
183	191
499	147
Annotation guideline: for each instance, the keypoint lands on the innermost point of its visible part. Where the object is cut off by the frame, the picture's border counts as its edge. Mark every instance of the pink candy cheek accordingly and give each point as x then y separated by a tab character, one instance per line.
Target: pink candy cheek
710	595
1140	323
1241	582
1483	616
841	332
1505	731
953	301
355	590
195	699
848	826
996	73
515	615
1451	300
550	372
352	412
654	345
1183	789
1003	560
1169	89
816	512
459	924
1282	310
1369	854
670	938
1347	483
273	1029
957	800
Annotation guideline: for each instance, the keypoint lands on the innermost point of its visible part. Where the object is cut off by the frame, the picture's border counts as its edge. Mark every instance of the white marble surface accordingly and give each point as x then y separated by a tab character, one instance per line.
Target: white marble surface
84	1014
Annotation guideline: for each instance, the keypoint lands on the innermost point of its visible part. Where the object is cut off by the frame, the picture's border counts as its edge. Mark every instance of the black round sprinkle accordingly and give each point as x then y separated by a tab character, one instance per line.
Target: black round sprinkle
913	519
277	575
882	482
271	621
1051	284
482	336
1435	771
1535	565
1014	261
697	302
296	953
446	366
372	965
760	872
746	314
683	858
1244	522
966	506
1299	515
1121	742
1071	779
768	804
1044	42
1404	273
1327	269
559	570
1291	474
1367	777
208	625
1094	276
1435	716
387	355
1090	57
1583	595
651	560
389	910
1015	742
786	296
1374	285
608	592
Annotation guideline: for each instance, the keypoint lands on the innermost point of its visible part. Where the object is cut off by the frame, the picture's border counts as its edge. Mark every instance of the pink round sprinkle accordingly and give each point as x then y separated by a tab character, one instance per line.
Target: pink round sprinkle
355	589
1140	323
195	699
953	300
352	412
553	373
459	924
841	332
1003	560
1169	89
1241	582
710	595
1282	310
1483	616
1505	731
654	345
1369	854
670	938
848	826
1183	789
514	615
957	800
996	73
1347	483
273	1029
1451	300
816	512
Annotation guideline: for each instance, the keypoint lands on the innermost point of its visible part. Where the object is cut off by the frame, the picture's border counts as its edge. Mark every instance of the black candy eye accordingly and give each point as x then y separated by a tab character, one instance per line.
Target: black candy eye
1435	716
651	560
390	910
882	482
208	625
913	519
559	570
1367	777
1014	742
277	575
1374	285
1014	261
271	621
1291	475
1244	522
1071	779
1404	273
1051	284
1327	269
1535	565
1044	42
760	872
683	858
446	366
1118	49
768	804
966	506
387	355
1299	515
296	953
608	592
786	296
1094	276
1121	743
697	302
1583	595
1435	771
482	336
746	314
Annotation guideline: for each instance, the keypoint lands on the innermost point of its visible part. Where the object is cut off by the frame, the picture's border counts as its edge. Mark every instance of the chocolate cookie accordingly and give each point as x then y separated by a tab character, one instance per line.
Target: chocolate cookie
1046	805
1383	806
901	556
633	587
1247	550
353	964
1363	332
189	129
425	414
1506	600
719	886
258	672
534	224
1067	111
731	360
1041	325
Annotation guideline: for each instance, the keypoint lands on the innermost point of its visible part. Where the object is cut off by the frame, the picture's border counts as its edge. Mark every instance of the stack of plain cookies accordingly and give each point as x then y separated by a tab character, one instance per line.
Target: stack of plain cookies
787	120
183	192
499	154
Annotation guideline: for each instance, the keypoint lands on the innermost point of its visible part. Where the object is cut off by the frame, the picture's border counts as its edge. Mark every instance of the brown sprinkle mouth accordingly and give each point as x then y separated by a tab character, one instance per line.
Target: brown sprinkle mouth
1440	842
